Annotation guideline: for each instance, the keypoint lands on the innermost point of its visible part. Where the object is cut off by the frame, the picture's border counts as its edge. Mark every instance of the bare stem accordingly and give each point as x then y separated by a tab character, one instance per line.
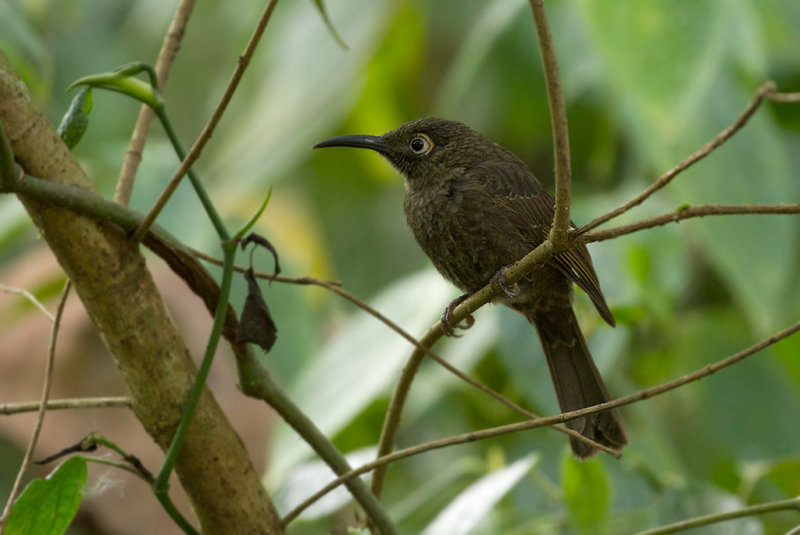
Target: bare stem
689	212
558	120
30	297
48	382
60	404
169	49
753	510
707	370
392	420
208	130
767	90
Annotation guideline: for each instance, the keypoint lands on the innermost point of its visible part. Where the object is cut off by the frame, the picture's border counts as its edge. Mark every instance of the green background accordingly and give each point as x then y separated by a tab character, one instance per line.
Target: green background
647	82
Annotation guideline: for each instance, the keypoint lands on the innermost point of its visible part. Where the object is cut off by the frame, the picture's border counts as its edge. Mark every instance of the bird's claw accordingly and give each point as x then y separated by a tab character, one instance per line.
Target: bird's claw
510	290
447	318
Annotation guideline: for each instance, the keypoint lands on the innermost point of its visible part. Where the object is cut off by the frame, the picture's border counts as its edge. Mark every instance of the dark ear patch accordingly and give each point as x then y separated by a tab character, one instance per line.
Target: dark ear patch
438	139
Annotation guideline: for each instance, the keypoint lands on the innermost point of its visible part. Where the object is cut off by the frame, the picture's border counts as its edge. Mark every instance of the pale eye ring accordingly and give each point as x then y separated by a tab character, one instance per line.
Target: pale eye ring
421	144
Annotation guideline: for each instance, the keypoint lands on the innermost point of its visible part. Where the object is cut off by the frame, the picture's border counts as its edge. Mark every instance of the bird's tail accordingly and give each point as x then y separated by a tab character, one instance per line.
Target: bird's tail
577	382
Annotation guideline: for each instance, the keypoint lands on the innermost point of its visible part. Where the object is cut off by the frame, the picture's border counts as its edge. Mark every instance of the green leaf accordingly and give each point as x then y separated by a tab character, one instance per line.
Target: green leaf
587	493
76	120
329	23
471	507
121	80
364	352
47	506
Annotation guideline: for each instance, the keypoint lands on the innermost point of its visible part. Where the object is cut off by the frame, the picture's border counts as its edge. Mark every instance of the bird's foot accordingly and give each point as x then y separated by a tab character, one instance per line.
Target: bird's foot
447	318
511	290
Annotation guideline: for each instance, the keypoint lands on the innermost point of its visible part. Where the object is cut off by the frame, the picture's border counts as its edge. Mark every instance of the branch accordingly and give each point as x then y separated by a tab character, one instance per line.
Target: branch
392	420
169	49
558	120
753	510
60	404
690	212
255	382
208	130
30	297
37	428
767	90
709	369
111	276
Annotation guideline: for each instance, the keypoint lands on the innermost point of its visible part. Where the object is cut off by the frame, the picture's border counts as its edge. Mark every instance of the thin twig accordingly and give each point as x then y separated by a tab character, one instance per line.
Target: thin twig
550	420
391	421
784	98
753	510
61	404
30	297
208	130
256	382
558	121
689	212
335	287
48	382
303	281
767	90
169	49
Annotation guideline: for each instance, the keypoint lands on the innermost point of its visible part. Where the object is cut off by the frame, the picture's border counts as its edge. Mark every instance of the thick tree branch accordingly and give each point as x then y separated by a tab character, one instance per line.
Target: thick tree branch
112	280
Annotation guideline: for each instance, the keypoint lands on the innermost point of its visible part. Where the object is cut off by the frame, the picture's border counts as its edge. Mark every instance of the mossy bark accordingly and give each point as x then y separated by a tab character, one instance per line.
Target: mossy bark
112	280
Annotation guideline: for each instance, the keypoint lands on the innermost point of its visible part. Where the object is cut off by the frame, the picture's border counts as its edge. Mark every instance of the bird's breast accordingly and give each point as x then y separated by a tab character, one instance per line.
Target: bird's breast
456	234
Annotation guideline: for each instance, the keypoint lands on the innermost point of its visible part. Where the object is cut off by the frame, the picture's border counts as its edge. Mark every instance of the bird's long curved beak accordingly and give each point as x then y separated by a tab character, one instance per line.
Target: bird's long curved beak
375	143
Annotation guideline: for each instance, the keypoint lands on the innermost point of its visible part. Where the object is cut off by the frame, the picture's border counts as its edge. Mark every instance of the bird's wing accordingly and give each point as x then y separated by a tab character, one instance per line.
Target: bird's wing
530	210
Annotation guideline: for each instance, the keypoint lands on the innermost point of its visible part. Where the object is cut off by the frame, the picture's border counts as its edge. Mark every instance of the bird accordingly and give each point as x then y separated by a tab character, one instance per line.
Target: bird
475	208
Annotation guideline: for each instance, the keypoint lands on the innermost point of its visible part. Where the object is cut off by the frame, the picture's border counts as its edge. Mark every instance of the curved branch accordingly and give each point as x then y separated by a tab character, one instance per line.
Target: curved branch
766	91
703	210
753	510
133	156
211	125
707	370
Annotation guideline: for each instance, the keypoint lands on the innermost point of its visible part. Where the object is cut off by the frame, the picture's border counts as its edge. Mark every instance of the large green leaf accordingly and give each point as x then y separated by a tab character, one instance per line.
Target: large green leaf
471	507
587	493
47	506
358	364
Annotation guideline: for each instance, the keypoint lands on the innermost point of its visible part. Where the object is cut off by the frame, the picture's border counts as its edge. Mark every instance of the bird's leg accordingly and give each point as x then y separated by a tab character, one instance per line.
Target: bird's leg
510	290
447	318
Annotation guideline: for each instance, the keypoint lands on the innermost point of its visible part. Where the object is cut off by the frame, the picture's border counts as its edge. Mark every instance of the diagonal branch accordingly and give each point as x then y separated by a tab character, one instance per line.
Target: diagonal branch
753	510
766	91
211	125
707	370
169	49
689	212
37	428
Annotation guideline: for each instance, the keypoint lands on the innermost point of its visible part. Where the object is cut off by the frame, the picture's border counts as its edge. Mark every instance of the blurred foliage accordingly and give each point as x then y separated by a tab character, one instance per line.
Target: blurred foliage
647	83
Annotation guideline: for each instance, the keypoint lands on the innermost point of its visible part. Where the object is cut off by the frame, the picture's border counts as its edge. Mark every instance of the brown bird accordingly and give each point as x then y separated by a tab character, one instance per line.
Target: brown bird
475	208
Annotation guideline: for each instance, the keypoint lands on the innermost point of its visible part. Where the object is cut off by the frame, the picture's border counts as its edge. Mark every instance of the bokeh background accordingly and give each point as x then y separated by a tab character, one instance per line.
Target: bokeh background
646	81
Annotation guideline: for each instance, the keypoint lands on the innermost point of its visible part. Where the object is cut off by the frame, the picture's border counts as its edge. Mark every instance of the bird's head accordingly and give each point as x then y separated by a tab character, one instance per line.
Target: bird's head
424	149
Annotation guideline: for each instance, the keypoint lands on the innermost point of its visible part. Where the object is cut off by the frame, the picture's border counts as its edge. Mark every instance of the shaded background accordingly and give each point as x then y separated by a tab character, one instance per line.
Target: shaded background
647	82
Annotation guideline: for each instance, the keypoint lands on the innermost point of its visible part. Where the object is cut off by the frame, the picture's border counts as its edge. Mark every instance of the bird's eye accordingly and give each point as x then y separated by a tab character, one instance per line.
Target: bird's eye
421	144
